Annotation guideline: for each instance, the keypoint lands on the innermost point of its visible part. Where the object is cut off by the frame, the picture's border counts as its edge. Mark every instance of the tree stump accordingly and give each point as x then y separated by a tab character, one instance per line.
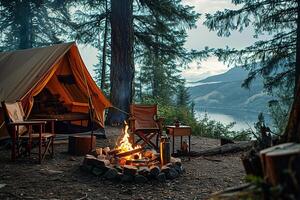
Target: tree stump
80	145
276	162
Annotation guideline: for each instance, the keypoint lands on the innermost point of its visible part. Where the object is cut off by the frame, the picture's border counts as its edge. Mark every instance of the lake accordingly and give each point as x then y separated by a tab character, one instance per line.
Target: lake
243	118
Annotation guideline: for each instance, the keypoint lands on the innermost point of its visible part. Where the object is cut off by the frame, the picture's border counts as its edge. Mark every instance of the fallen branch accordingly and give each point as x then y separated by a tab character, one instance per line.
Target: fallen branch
227	148
210	159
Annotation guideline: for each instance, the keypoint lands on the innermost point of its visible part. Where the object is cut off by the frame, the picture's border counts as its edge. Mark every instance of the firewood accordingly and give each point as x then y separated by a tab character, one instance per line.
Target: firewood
93	161
113	152
128	153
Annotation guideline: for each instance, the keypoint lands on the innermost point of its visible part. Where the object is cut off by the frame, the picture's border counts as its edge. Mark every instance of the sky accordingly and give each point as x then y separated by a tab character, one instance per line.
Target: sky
197	39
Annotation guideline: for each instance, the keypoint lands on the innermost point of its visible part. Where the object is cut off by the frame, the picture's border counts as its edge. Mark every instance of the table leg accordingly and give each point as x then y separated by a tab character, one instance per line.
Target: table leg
173	143
180	142
189	147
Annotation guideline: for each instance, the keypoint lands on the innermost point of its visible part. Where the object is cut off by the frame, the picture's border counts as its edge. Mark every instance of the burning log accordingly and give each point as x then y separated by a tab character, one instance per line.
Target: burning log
129	153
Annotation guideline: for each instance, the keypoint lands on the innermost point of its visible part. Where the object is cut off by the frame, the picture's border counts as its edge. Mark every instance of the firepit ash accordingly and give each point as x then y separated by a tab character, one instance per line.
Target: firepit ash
128	162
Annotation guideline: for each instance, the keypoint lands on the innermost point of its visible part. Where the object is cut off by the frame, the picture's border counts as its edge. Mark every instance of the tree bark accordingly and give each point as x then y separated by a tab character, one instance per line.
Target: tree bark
297	71
122	65
103	69
292	131
25	24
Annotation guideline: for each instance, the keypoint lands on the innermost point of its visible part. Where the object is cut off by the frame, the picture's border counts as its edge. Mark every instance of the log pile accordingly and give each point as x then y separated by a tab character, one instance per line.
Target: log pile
113	165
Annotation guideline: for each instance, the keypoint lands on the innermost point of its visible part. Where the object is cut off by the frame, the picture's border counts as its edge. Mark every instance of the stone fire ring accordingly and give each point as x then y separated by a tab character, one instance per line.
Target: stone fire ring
96	165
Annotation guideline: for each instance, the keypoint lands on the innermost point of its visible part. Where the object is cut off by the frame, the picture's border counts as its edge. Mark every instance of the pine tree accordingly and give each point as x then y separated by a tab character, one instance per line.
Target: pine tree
277	57
271	57
31	23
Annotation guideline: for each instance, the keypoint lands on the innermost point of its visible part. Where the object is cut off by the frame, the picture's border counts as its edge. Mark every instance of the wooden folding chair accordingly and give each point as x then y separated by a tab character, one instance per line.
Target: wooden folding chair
22	133
144	123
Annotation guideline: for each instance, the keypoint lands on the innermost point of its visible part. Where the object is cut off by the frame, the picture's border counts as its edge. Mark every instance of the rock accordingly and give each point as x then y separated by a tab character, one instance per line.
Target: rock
161	177
154	171
97	171
179	169
176	161
119	169
172	174
140	179
145	171
170	165
111	174
127	178
129	170
165	169
86	168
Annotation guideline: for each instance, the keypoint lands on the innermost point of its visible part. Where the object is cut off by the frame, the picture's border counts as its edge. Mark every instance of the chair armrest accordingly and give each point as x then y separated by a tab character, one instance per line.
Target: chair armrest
131	123
41	119
27	123
48	120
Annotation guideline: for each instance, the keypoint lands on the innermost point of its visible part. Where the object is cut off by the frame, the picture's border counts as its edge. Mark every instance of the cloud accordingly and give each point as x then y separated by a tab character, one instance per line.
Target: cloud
207	68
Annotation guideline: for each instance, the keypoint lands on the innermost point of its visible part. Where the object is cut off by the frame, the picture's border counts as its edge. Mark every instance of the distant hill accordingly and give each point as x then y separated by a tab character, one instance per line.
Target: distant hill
225	91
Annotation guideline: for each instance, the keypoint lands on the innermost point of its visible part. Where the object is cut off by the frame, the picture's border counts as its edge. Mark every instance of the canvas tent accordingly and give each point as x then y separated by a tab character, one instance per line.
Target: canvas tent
57	70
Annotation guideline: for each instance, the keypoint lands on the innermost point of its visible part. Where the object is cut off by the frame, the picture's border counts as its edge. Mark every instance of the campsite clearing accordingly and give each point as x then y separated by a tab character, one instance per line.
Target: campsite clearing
61	177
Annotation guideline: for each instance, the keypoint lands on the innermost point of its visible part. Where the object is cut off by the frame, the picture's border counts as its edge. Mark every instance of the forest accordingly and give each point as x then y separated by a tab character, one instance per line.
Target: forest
141	54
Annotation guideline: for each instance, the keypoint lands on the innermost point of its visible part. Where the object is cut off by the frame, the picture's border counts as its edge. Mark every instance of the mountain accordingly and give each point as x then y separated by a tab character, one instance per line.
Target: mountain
224	91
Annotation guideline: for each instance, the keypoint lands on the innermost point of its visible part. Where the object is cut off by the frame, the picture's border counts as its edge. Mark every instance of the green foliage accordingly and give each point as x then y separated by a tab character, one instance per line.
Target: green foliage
279	109
32	23
271	57
203	127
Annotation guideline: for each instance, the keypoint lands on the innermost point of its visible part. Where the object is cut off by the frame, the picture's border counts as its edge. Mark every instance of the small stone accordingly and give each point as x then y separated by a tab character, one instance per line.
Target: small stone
127	178
140	179
154	171
172	174
161	177
111	173
129	170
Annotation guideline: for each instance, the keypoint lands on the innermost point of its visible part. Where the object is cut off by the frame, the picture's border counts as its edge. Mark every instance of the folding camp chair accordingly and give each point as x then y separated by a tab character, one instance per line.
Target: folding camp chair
22	132
144	123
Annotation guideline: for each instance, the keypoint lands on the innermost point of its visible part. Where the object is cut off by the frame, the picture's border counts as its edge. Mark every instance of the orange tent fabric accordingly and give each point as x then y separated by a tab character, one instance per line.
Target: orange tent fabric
25	73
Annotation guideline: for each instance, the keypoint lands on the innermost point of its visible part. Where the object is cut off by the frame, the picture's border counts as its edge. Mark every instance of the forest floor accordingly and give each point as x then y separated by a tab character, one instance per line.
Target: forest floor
61	177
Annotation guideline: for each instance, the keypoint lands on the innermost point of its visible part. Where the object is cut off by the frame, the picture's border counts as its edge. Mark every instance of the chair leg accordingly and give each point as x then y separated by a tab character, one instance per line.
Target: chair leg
47	147
52	147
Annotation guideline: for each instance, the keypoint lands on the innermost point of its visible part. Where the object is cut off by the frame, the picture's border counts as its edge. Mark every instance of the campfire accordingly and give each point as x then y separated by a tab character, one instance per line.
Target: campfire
129	162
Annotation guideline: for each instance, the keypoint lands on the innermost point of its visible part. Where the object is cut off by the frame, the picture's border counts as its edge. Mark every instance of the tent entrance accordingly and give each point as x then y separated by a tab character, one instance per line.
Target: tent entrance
48	105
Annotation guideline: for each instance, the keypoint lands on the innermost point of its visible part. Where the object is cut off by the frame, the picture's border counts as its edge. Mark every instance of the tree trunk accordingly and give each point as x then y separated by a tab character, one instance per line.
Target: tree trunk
292	131
25	24
122	66
297	71
103	70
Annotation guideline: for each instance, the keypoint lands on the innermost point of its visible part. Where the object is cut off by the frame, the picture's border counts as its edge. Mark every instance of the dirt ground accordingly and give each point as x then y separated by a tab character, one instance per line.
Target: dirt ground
61	177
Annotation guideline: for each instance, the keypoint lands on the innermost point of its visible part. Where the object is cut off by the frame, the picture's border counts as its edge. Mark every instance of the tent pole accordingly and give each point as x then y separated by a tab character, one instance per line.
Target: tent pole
91	112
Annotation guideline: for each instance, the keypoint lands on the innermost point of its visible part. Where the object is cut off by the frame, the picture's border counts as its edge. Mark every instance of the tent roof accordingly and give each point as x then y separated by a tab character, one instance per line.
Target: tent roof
21	70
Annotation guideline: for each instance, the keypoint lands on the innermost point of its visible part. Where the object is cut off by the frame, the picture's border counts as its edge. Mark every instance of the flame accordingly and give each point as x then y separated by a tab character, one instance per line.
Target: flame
125	144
